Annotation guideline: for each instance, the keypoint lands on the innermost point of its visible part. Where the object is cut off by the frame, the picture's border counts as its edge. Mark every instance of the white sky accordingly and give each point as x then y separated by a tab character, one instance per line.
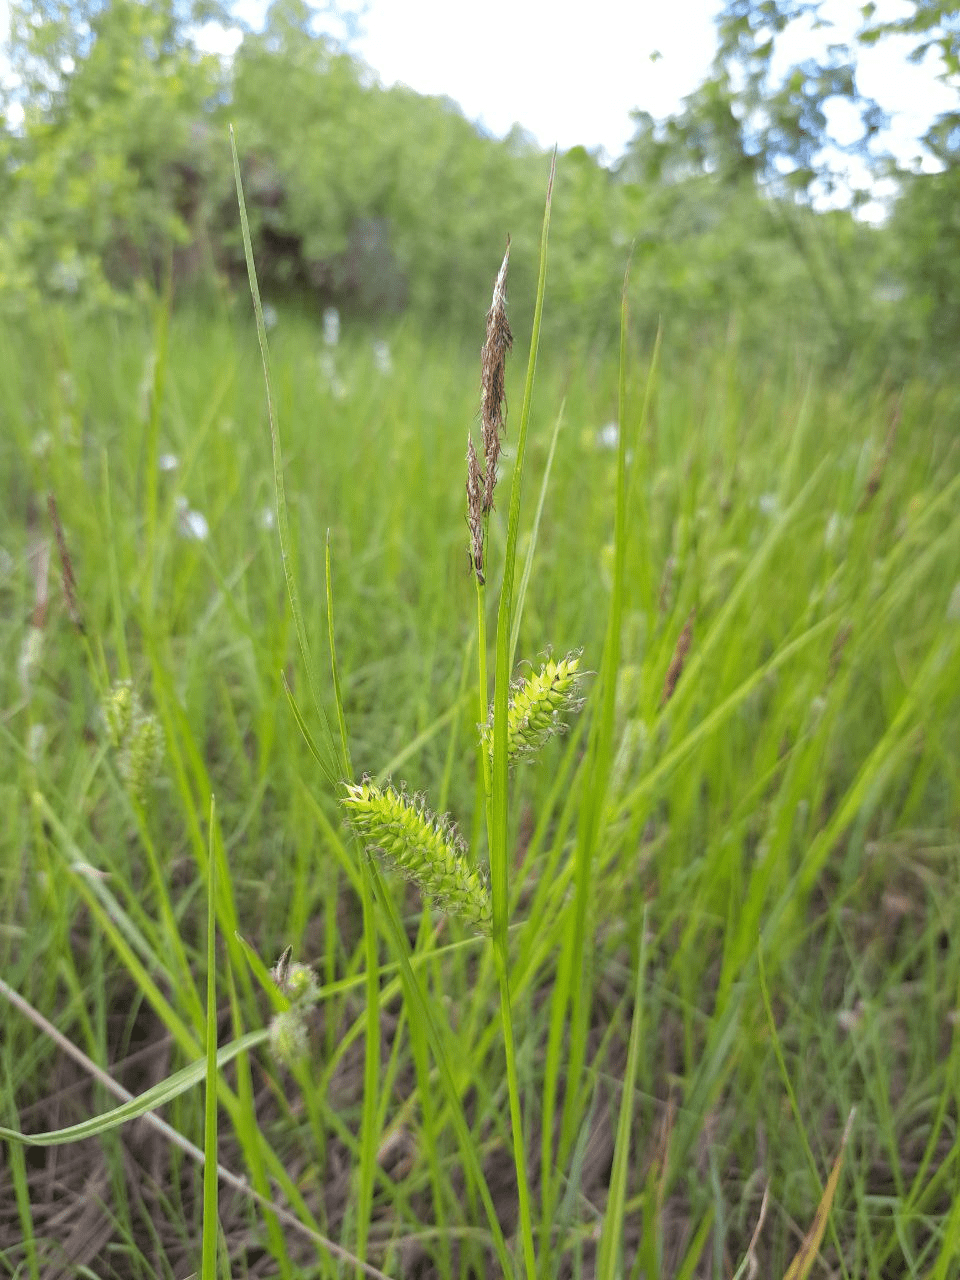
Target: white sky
568	76
572	81
572	76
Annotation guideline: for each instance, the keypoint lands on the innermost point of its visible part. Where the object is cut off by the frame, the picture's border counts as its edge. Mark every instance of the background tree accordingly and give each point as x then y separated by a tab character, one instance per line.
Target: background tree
109	167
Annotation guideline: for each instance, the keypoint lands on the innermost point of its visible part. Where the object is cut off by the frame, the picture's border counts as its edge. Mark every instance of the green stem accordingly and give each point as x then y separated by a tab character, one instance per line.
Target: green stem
502	966
484	703
516	1116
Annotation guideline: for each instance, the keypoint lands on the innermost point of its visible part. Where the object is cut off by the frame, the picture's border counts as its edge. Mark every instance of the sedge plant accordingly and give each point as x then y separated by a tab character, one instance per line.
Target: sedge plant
399	830
524	715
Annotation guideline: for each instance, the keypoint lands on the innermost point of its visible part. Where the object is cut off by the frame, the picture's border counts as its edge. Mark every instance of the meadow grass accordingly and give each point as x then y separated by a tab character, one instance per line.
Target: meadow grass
723	901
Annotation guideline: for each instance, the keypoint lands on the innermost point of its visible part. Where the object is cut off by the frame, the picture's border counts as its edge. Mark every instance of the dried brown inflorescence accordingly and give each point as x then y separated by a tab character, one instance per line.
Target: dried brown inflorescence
493	398
675	670
475	509
493	403
66	565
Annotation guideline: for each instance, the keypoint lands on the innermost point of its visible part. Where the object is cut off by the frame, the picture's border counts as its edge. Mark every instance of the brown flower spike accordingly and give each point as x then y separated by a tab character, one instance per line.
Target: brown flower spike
493	357
475	509
493	402
680	652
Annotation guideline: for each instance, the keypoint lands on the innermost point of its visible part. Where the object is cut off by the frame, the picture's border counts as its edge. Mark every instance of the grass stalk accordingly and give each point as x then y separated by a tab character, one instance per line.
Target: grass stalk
369	1128
211	1216
328	761
573	978
498	791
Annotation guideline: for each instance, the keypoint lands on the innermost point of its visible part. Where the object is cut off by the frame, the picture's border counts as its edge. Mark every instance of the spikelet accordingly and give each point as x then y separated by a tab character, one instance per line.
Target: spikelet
288	1037
420	845
675	670
118	711
141	757
136	737
289	1032
493	394
298	982
475	509
66	564
537	706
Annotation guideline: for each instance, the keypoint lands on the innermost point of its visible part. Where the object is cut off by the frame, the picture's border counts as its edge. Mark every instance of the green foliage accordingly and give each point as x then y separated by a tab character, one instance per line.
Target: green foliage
798	791
386	198
109	170
754	122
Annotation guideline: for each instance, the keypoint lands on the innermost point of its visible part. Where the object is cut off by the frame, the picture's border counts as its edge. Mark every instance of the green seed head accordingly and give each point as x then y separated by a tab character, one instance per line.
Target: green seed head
300	984
537	706
288	1037
420	845
142	755
135	736
119	708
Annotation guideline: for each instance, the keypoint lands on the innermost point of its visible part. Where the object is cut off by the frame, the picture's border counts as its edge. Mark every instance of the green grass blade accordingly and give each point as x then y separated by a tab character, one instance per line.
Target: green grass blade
328	761
574	981
18	1176
247	1128
151	470
369	1127
534	535
211	1217
172	1087
608	1262
498	832
419	1008
695	1248
345	762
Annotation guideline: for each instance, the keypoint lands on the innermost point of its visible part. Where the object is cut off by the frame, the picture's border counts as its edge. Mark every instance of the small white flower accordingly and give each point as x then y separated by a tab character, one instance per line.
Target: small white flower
270	317
889	291
168	462
382	359
328	368
193	524
768	503
331	326
849	1019
608	437
268	518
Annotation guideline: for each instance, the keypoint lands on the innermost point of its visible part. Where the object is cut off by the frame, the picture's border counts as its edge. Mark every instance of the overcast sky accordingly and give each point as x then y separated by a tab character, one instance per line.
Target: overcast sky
567	79
572	76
